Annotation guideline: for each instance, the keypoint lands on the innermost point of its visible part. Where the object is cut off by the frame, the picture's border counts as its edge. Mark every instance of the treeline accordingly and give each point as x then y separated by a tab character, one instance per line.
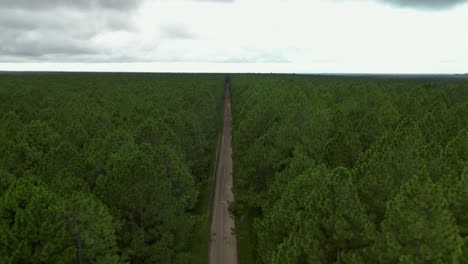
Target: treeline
350	169
104	168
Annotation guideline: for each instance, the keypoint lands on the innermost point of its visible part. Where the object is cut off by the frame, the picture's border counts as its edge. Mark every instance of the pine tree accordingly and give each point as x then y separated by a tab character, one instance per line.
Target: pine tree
37	143
318	220
150	192
456	191
31	229
6	179
389	162
10	127
455	179
433	133
418	227
456	153
463	259
91	228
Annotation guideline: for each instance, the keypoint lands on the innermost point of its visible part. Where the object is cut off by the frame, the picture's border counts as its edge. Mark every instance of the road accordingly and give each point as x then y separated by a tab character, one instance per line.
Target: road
223	247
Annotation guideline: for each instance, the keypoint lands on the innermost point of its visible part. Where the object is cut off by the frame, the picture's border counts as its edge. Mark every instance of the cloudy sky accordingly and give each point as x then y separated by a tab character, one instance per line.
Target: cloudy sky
302	36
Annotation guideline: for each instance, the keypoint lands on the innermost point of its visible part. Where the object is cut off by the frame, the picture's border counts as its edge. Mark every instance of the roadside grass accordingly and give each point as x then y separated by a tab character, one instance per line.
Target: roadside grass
200	246
203	210
245	240
201	237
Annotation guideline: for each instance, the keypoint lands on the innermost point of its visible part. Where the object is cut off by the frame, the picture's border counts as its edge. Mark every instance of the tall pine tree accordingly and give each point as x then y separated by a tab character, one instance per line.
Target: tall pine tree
418	227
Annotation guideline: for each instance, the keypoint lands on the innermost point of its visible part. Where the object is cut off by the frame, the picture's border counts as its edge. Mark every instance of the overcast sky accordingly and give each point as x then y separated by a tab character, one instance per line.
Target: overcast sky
302	36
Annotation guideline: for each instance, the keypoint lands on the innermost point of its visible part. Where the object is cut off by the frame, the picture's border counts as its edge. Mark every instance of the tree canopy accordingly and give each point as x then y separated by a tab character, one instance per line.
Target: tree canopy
104	168
331	169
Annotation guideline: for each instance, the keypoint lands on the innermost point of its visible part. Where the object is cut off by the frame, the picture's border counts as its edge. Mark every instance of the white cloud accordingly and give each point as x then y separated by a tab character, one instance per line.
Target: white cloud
254	36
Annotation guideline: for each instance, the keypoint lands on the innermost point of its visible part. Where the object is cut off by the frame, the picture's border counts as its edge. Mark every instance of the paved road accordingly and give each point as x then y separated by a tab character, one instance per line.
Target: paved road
223	247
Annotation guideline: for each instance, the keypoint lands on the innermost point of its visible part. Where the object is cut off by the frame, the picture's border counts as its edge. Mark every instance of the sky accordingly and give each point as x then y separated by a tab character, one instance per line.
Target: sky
284	36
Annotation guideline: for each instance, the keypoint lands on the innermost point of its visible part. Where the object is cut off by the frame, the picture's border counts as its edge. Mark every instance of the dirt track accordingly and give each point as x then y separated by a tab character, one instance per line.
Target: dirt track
223	247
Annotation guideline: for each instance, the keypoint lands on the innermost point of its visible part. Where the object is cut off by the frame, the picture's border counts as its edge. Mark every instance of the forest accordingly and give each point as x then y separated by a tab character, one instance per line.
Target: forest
106	168
349	169
118	168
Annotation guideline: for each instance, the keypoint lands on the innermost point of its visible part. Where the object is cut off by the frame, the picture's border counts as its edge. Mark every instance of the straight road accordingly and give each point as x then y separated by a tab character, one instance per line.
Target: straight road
223	247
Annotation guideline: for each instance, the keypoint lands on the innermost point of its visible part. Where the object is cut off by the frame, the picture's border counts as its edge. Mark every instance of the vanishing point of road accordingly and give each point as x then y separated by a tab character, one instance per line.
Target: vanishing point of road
223	246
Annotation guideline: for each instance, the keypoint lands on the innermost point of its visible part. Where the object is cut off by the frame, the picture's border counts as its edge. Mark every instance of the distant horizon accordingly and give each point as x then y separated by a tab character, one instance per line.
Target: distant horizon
223	68
261	73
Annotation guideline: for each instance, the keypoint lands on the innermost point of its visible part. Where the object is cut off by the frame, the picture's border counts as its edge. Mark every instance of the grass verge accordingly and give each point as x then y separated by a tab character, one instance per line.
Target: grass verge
204	208
245	240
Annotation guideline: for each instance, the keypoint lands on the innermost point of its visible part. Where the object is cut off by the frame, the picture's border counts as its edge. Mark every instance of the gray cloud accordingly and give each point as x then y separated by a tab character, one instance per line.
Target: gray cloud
81	31
426	4
59	30
24	45
177	31
26	20
75	4
24	48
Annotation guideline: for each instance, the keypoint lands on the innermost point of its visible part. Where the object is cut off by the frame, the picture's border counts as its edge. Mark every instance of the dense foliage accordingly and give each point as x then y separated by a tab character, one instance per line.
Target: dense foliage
350	169
104	168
